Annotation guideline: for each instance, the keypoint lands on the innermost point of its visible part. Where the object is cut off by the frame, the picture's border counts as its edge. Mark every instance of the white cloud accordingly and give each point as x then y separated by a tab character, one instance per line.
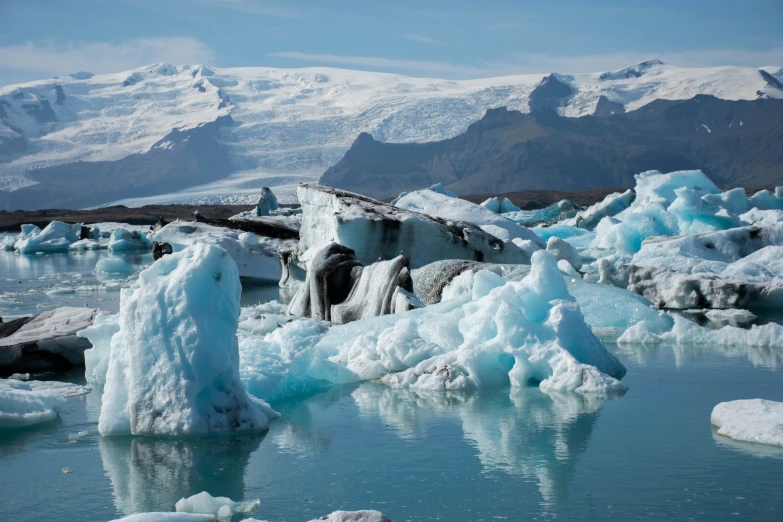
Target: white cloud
418	38
51	59
386	63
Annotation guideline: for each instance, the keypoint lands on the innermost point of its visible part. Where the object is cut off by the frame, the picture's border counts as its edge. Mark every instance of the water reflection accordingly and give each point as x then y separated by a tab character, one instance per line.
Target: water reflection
770	358
749	448
153	474
521	432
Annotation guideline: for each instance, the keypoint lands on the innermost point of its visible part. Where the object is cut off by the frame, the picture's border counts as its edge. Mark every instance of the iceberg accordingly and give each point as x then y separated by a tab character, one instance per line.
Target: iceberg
554	213
740	267
221	507
500	205
47	342
500	333
33	402
684	331
562	250
339	289
162	516
256	257
610	206
55	237
754	420
454	209
267	203
173	366
375	230
123	240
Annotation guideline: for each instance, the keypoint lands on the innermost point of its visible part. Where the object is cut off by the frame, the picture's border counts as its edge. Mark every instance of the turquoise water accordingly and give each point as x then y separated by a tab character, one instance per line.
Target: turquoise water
497	455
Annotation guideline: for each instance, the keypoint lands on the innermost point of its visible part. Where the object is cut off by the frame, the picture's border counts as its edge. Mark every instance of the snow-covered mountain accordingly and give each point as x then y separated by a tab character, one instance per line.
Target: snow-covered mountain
193	134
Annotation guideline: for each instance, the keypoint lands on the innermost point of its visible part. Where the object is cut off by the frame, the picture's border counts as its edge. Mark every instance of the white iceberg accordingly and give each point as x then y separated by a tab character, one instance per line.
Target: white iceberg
501	333
162	516
684	331
753	420
255	257
123	240
500	205
32	402
442	206
173	366
221	507
55	237
375	230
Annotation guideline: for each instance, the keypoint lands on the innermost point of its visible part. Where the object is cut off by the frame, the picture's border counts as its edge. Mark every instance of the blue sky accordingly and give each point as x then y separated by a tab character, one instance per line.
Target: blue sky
450	39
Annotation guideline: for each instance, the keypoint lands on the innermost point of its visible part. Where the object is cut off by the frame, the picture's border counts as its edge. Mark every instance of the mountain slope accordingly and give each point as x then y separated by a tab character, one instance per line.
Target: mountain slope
735	142
90	139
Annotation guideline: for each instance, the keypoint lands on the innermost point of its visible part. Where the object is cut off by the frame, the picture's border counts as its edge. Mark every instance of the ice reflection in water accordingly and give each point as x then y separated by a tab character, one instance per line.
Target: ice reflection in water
521	431
766	357
153	474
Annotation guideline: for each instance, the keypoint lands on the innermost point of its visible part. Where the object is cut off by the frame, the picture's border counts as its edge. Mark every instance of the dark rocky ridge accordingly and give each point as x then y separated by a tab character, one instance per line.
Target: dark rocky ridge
736	143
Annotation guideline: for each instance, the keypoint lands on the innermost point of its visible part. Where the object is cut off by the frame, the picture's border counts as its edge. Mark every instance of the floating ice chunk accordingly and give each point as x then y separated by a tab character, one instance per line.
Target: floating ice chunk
267	203
440	189
48	342
256	258
115	265
611	205
174	363
754	420
100	333
562	250
126	240
687	332
88	244
560	211
765	200
375	230
445	207
731	317
500	205
221	507
56	237
32	402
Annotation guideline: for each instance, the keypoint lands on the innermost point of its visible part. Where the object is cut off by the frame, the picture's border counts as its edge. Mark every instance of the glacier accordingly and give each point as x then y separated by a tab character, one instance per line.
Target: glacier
283	143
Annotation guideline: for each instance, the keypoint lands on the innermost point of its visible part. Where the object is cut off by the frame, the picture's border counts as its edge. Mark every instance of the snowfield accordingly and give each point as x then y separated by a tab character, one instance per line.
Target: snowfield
289	125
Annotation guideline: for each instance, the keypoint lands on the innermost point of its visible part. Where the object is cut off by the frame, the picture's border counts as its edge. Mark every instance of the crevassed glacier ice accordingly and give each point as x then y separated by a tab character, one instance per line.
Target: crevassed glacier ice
502	333
256	257
173	366
442	206
753	420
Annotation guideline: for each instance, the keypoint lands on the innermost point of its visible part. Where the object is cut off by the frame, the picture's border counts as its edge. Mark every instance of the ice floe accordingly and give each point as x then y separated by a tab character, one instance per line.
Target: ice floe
753	420
55	237
25	403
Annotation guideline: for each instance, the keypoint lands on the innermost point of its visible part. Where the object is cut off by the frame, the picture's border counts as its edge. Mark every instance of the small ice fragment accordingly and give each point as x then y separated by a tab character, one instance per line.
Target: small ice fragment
67	470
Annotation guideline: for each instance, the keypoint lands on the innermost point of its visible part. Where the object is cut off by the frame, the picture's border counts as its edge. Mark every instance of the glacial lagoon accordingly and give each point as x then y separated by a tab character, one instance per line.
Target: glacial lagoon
499	454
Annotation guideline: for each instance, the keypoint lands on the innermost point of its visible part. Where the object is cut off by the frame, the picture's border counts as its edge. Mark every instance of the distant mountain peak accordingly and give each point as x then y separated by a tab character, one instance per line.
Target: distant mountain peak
633	71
